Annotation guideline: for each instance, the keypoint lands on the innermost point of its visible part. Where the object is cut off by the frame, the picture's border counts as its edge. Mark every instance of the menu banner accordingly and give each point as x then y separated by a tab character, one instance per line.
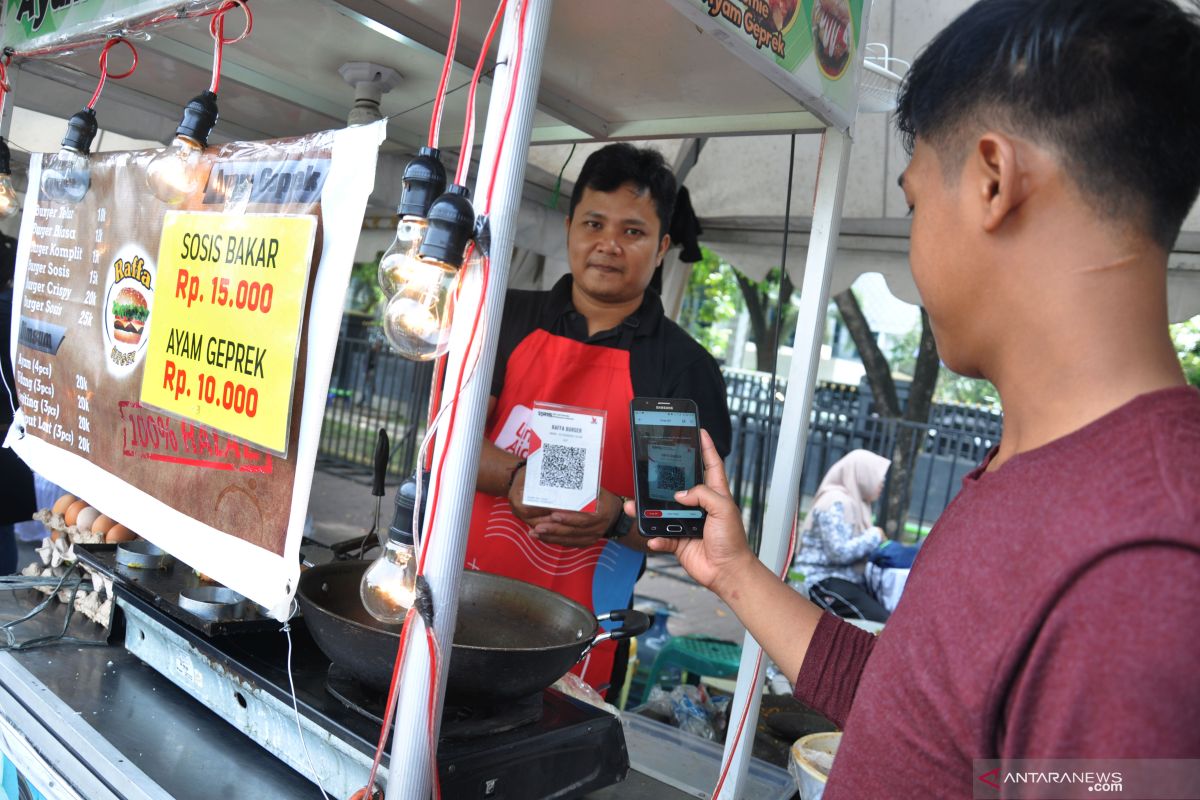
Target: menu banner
33	24
172	364
812	49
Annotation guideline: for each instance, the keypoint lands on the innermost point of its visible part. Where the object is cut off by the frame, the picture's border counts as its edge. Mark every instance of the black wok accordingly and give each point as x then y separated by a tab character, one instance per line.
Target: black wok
512	638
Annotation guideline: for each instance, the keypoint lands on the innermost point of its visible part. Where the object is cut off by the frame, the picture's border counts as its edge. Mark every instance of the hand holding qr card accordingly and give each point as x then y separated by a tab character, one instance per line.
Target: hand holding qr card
563	465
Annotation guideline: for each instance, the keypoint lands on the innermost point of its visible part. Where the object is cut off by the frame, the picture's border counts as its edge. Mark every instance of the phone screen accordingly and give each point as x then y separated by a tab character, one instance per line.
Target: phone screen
666	444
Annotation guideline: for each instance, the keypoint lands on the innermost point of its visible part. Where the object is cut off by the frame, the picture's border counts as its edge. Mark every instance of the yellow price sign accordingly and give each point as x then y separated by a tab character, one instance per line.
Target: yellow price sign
228	315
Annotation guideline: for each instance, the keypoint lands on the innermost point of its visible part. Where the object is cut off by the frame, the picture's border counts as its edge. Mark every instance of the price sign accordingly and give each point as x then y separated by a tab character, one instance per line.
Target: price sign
227	318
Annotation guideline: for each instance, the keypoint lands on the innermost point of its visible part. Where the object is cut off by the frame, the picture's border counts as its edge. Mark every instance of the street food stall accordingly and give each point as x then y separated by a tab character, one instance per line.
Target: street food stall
174	325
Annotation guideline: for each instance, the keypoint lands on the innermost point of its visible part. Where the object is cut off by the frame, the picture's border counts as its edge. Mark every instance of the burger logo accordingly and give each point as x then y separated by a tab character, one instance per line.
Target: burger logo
127	307
832	31
129	314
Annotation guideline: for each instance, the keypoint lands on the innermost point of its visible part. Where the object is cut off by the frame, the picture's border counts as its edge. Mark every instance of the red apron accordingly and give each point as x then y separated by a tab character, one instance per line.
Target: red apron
554	369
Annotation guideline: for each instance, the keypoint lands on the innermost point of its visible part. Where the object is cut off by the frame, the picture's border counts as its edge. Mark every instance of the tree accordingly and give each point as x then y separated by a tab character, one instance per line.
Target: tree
1186	336
951	387
762	308
711	304
906	446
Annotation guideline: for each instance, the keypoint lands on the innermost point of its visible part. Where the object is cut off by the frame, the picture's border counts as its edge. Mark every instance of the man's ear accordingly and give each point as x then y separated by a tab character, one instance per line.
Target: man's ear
997	170
663	246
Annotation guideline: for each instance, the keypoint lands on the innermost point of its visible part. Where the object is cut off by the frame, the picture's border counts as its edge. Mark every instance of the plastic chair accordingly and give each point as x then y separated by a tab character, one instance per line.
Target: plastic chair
697	655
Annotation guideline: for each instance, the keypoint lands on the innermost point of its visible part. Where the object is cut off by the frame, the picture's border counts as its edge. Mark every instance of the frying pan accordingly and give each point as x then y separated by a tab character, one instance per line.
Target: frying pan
512	638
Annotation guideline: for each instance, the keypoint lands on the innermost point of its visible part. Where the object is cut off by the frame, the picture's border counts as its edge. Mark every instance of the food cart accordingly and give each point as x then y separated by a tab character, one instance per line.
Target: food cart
106	724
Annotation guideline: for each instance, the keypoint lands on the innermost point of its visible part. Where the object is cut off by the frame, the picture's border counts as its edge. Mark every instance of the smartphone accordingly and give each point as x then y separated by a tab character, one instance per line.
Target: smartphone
666	459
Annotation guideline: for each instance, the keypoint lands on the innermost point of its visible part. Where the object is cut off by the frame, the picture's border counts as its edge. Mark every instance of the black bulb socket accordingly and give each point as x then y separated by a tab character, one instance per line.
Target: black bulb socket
199	117
81	130
5	158
424	181
451	223
400	531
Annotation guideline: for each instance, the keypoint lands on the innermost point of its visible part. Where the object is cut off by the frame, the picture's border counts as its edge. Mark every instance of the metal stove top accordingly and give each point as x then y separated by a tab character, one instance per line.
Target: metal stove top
569	750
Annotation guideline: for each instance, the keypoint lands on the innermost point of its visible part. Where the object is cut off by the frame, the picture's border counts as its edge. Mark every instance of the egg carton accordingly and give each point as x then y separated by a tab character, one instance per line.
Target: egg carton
56	524
55	557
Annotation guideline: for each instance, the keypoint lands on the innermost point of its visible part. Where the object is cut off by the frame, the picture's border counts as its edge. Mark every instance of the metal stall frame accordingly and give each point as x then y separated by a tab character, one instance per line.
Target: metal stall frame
447	531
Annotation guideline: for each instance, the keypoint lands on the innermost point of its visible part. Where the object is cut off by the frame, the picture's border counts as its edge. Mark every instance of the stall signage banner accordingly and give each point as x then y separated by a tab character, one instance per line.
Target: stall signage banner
810	48
230	305
32	24
172	364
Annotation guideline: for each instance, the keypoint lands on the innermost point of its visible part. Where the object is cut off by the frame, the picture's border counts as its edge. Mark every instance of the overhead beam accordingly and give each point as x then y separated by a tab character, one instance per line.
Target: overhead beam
681	127
403	29
252	78
54	88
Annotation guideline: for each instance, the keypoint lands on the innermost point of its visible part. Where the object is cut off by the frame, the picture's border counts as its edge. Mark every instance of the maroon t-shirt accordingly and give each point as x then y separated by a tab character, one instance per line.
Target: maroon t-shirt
1052	613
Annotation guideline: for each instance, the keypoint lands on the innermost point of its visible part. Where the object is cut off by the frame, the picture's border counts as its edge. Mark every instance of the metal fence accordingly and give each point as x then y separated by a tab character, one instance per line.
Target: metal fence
372	388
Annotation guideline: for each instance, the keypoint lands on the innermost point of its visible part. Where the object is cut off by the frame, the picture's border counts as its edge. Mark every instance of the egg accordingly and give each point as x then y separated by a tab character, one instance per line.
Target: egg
102	524
86	519
62	503
72	512
119	533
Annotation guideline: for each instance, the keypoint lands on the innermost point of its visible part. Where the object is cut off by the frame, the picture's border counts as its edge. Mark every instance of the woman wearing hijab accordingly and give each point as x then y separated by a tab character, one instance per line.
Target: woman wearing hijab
839	534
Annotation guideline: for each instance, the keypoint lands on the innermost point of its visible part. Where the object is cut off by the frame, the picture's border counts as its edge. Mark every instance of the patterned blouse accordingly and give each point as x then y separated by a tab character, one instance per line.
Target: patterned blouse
830	548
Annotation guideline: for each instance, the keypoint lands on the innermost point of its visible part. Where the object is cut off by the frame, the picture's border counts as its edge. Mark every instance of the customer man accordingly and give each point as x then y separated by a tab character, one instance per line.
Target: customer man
1055	154
596	340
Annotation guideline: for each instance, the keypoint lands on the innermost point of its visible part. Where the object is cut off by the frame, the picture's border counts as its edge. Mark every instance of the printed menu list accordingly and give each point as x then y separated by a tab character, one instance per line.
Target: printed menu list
61	289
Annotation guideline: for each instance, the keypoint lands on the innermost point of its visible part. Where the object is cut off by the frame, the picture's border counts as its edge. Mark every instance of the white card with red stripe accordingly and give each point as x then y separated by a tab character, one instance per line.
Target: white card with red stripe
563	465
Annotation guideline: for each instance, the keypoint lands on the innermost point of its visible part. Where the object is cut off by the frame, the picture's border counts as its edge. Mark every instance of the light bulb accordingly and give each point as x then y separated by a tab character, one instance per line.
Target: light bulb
178	171
8	197
416	320
394	269
66	176
389	586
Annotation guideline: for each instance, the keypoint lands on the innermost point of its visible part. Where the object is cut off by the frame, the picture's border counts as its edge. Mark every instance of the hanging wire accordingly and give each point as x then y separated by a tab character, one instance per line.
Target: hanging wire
217	29
15	582
116	76
287	632
558	181
435	121
468	140
787	224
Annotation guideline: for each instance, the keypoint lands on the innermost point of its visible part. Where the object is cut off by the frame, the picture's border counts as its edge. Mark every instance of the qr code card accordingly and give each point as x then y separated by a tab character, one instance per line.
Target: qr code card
563	465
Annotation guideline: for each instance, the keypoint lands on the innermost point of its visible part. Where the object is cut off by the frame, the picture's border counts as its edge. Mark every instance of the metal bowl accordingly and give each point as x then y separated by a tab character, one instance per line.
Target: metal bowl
213	602
140	554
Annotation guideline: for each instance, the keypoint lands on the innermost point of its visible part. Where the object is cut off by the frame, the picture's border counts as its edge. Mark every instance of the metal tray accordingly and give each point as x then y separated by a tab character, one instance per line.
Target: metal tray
161	588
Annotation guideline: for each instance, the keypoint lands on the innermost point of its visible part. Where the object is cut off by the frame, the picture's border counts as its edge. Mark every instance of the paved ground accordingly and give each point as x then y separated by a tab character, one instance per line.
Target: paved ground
341	507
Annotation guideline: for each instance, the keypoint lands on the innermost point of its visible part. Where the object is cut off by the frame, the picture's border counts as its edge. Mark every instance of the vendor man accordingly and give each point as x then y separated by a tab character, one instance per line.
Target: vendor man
597	339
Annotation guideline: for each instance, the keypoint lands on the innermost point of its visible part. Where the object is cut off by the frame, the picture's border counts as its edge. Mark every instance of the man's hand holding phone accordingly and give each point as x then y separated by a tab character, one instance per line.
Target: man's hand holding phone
717	559
567	528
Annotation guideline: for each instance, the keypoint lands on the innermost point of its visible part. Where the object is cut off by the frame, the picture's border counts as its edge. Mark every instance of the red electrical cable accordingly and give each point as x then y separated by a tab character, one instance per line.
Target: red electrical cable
104	73
435	121
217	29
367	792
468	141
487	204
436	390
787	561
4	87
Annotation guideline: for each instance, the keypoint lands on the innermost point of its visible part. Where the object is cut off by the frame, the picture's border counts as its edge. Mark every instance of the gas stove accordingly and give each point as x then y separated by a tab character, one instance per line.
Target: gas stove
545	746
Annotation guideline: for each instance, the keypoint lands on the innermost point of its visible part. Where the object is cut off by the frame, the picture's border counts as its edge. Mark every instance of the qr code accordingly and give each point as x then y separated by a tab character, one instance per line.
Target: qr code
562	467
671	478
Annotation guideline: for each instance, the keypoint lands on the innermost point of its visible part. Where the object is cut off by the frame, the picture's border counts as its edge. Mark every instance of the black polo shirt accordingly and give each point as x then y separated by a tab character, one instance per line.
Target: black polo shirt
663	360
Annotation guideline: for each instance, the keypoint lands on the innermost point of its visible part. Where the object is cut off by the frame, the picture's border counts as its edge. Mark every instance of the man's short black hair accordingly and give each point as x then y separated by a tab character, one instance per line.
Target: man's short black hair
1111	86
615	165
